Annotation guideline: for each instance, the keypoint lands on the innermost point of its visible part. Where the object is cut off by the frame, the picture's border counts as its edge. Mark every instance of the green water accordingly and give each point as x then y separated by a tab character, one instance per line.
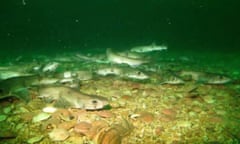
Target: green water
57	26
191	28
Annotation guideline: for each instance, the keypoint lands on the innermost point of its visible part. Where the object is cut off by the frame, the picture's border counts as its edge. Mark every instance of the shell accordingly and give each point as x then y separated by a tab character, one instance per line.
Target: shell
58	134
113	134
40	117
108	136
82	128
49	109
35	139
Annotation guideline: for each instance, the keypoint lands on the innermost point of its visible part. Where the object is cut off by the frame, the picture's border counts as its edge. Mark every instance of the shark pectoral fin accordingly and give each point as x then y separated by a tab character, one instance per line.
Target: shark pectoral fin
202	80
62	103
153	44
22	94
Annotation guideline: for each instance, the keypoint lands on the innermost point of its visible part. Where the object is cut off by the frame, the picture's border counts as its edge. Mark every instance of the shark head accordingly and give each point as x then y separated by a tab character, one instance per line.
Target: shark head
95	103
218	79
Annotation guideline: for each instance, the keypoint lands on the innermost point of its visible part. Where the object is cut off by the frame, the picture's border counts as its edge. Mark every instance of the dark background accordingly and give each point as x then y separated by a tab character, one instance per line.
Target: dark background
66	25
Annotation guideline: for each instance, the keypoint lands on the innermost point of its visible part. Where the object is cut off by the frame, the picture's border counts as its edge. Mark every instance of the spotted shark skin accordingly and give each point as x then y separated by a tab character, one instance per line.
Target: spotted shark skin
119	59
65	97
204	77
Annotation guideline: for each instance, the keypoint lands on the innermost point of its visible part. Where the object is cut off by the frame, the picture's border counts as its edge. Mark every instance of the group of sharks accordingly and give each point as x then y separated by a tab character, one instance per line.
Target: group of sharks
127	64
57	81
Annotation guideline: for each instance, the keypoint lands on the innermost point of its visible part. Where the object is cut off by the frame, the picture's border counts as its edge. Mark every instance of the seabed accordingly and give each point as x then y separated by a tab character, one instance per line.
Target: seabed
139	111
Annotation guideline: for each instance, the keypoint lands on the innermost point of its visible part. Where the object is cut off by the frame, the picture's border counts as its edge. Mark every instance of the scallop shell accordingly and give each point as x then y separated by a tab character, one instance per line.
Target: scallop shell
113	134
108	136
59	134
40	117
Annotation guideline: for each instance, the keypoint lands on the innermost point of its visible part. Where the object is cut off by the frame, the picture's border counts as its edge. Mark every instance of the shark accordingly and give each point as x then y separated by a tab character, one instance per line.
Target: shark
18	87
65	97
204	77
172	80
109	71
148	48
134	74
114	57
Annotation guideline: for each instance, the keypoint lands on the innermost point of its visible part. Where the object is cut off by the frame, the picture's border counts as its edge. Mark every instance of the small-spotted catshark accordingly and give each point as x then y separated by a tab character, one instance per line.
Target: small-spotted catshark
119	59
65	97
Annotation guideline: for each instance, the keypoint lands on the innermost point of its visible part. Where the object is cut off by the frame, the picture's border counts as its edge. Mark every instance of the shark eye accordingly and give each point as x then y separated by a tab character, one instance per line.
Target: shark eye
94	101
222	77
